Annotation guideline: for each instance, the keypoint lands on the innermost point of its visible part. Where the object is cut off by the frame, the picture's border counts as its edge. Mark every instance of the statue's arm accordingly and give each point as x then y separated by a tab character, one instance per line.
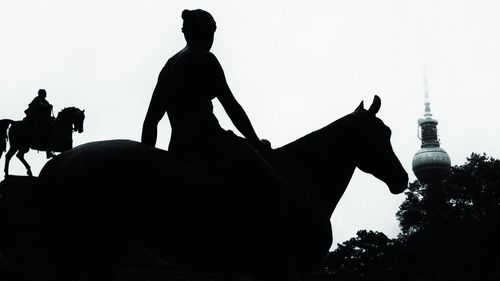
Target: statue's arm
239	117
232	107
34	102
155	113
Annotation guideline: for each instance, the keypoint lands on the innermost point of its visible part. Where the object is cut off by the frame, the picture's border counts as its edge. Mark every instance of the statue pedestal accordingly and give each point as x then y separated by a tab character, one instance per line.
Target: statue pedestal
22	256
19	235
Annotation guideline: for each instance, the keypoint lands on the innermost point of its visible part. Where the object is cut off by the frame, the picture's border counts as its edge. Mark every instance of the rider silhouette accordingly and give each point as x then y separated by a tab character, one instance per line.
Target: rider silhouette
186	86
39	104
39	119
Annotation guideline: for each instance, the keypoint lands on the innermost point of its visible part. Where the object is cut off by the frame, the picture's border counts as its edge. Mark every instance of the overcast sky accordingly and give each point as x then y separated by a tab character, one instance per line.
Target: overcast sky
295	66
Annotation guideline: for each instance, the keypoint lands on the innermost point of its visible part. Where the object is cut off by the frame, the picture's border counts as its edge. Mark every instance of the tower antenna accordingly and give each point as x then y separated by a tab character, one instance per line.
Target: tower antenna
427	102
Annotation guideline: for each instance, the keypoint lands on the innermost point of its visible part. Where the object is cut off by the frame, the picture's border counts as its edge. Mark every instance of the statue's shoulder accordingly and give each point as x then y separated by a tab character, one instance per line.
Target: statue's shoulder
193	58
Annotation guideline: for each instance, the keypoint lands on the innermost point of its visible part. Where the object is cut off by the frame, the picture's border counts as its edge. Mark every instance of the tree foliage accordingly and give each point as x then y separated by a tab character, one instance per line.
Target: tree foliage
450	230
469	195
370	252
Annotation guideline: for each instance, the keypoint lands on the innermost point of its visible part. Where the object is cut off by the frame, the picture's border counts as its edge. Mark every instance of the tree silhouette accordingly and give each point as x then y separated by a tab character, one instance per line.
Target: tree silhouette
470	194
369	253
450	230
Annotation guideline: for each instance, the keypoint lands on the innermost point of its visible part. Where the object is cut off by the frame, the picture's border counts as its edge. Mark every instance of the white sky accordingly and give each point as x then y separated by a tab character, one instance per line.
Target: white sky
295	66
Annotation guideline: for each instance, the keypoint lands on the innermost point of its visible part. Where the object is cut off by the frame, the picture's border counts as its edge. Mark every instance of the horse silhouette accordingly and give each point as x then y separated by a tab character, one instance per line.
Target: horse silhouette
21	136
100	197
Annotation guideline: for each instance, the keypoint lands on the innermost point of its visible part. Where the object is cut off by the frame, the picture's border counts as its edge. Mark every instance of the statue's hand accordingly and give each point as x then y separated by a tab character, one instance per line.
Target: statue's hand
265	144
265	149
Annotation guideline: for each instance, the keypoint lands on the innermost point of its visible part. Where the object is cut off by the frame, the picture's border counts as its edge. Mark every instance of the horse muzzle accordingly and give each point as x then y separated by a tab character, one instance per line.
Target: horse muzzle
398	183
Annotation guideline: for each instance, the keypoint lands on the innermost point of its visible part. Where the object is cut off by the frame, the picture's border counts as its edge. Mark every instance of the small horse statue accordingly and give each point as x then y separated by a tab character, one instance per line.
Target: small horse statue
20	136
100	197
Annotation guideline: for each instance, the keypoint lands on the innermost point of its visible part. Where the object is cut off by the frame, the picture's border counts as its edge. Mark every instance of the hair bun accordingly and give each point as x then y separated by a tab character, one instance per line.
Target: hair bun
186	14
197	21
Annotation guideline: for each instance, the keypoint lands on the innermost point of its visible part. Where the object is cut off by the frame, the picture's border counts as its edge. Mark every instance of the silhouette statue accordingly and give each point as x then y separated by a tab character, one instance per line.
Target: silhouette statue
22	134
186	86
39	122
98	198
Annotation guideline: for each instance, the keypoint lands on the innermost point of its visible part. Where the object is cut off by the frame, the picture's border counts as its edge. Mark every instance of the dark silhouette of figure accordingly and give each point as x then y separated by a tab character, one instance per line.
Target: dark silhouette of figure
186	86
21	133
100	197
39	120
39	106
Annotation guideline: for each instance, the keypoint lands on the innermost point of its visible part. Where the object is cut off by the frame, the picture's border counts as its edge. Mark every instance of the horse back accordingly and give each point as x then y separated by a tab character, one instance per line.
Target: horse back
116	178
119	192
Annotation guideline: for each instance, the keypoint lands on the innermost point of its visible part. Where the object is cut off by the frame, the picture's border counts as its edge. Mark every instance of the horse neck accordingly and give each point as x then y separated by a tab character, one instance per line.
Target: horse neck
320	164
63	122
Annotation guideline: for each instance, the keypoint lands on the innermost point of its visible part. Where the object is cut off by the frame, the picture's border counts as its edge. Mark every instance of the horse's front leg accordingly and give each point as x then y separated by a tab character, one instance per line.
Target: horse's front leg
20	155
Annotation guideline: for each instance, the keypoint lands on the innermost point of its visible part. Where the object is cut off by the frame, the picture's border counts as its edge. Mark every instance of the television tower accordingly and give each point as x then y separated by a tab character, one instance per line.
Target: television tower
431	163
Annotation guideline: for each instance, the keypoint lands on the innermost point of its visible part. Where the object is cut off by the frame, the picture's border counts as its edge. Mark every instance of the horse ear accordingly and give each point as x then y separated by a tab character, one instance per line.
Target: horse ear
361	106
374	108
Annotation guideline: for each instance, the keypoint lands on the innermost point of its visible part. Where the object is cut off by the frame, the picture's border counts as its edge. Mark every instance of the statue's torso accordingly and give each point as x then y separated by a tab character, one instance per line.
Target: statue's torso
188	89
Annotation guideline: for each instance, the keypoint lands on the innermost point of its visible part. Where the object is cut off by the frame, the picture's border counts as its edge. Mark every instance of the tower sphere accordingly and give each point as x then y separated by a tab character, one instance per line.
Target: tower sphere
431	163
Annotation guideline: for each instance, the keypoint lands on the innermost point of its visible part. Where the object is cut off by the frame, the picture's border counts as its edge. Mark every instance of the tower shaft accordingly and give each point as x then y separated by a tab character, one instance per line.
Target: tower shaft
429	134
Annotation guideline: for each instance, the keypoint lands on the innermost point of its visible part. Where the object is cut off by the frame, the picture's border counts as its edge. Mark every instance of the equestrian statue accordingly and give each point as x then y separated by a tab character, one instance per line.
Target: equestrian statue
39	131
101	197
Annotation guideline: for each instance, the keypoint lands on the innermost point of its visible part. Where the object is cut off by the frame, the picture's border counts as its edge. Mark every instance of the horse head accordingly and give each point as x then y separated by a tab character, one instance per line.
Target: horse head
78	117
375	154
73	117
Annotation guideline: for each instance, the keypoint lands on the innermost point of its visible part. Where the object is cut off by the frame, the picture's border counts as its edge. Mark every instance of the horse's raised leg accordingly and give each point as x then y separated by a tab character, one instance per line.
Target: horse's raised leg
20	155
8	156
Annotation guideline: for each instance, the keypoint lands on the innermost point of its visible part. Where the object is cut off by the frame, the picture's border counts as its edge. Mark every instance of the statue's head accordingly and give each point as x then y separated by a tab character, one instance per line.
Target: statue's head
198	28
42	93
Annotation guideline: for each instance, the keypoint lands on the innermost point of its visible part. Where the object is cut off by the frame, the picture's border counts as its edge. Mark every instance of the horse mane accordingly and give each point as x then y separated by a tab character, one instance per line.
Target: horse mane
320	152
67	110
327	136
315	142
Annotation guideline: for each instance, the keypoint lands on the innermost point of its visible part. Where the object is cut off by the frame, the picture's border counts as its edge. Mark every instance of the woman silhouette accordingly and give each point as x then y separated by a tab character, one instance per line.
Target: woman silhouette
186	86
253	193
